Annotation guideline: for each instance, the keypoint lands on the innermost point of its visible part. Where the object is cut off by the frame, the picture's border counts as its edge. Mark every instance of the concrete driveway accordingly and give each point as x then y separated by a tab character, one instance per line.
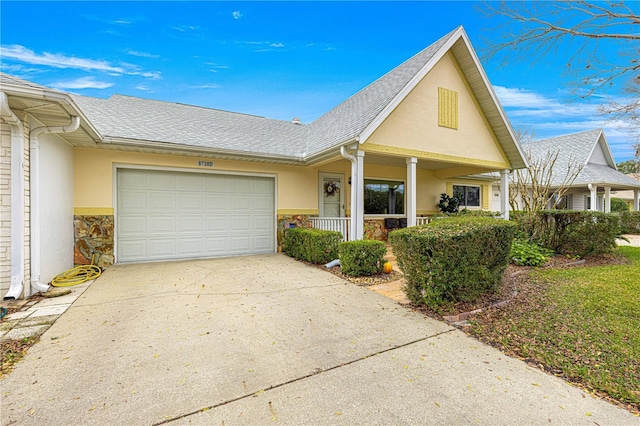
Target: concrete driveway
268	340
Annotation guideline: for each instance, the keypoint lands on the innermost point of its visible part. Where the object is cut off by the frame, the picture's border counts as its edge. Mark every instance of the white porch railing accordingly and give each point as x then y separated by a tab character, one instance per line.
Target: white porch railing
340	224
423	220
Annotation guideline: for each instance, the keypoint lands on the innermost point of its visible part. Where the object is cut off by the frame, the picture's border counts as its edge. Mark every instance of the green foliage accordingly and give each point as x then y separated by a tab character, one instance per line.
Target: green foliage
312	245
453	259
448	204
619	206
630	222
526	253
629	166
578	233
362	257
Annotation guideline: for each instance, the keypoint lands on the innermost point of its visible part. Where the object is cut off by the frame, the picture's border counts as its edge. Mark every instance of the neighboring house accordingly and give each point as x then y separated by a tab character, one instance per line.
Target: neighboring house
134	180
628	196
599	177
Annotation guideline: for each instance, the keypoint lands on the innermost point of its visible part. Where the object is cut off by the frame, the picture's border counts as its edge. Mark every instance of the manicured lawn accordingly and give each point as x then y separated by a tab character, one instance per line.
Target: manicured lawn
580	323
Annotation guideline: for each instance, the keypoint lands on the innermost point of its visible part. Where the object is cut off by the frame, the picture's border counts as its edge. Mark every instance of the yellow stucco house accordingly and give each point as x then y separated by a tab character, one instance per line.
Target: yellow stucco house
131	180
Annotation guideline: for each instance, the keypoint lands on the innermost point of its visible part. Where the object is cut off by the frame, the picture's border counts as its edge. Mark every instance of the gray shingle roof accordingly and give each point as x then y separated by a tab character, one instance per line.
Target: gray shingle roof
576	148
148	120
6	79
350	118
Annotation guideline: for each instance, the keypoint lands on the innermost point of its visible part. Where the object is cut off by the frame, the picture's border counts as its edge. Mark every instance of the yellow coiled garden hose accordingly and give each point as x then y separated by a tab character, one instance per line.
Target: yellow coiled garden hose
77	275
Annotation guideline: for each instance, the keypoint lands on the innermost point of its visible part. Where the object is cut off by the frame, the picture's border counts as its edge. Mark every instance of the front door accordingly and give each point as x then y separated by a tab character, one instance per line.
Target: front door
331	195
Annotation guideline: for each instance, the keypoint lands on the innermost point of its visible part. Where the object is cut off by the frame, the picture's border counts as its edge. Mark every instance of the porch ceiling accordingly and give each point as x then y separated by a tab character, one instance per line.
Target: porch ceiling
395	161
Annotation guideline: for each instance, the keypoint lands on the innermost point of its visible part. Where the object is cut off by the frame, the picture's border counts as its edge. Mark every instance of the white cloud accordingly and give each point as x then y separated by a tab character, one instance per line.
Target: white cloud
276	45
185	28
142	54
143	88
207	86
57	60
22	54
236	14
82	83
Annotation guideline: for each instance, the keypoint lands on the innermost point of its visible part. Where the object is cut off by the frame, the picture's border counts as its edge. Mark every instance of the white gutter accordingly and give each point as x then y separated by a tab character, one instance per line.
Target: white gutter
17	198
34	155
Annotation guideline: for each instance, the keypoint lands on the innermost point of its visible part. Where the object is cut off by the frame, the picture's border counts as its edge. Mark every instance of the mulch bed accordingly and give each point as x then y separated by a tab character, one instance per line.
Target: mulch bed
363	281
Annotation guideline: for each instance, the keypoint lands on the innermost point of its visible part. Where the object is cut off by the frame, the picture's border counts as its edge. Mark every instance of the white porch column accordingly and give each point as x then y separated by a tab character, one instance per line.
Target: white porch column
504	194
411	191
607	199
636	200
593	206
359	184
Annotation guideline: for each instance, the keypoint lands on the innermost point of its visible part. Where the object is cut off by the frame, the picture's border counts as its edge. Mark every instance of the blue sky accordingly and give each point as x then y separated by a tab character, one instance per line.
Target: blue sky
275	59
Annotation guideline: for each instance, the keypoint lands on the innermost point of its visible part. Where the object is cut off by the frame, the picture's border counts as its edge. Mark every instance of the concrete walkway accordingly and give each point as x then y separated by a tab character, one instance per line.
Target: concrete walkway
633	240
268	340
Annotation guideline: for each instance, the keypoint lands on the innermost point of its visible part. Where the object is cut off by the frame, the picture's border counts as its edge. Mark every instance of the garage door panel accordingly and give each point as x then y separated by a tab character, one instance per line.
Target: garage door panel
161	225
220	203
191	202
162	201
193	246
241	184
191	182
262	223
241	203
262	204
162	180
190	224
133	225
240	223
263	243
217	183
135	201
216	223
240	244
263	186
162	248
133	179
177	215
135	249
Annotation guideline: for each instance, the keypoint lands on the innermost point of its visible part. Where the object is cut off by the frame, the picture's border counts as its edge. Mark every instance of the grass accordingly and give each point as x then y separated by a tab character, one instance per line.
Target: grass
579	323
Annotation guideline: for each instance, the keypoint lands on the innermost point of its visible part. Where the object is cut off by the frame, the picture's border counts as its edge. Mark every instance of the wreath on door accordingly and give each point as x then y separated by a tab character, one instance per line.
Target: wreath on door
331	188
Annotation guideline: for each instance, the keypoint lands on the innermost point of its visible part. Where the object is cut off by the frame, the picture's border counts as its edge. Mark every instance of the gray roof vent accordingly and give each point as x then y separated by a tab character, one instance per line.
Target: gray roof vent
295	120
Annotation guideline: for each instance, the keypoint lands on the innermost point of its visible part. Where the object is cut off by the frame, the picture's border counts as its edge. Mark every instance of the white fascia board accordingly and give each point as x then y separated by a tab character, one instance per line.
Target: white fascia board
60	98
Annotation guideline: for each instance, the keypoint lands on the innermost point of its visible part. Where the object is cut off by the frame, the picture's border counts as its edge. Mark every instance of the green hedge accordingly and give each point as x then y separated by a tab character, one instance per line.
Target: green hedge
363	257
578	233
312	245
630	222
453	259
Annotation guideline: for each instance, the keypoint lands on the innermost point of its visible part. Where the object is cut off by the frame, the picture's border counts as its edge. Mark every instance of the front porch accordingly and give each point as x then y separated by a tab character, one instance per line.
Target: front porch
387	191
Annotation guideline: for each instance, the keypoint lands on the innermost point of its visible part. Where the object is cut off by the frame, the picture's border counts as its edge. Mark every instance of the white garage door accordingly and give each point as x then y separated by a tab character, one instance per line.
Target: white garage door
177	215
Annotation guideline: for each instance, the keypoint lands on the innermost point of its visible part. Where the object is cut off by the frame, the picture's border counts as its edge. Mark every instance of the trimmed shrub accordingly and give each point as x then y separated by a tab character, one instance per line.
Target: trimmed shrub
526	253
619	206
363	257
448	204
578	233
453	259
630	222
311	245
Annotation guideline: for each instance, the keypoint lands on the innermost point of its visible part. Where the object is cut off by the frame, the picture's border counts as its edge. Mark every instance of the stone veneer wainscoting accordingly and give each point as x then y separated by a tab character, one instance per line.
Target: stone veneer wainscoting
93	235
285	221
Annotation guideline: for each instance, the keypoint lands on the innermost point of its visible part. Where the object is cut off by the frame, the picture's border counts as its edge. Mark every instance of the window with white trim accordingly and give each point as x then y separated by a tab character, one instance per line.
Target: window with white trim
383	197
467	195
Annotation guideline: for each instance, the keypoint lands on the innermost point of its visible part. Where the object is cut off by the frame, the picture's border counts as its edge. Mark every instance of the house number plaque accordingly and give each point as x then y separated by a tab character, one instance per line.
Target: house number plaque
205	163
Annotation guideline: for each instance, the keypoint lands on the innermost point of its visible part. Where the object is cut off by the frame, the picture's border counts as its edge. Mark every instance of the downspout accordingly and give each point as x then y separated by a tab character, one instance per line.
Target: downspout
34	155
17	198
354	194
